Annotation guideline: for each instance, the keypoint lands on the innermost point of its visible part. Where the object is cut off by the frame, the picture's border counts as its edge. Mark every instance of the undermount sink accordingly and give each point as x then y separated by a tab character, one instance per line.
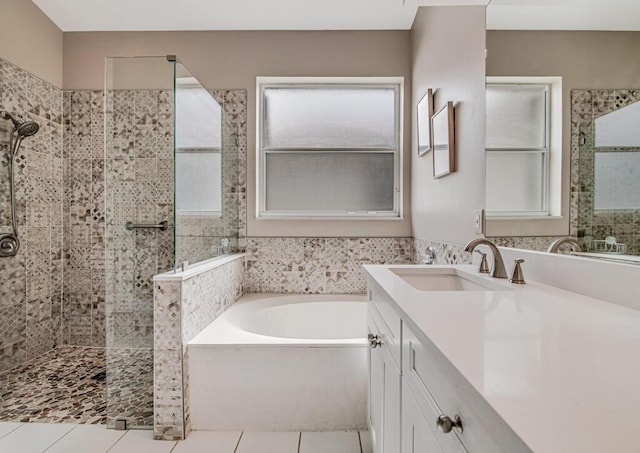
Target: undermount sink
445	279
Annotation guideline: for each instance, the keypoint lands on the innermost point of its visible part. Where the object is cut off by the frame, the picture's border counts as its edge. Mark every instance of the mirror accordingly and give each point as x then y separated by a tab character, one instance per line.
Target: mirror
567	80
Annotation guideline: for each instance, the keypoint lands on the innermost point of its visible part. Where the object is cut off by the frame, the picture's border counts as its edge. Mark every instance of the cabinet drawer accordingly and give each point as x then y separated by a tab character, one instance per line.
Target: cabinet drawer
419	433
388	322
437	386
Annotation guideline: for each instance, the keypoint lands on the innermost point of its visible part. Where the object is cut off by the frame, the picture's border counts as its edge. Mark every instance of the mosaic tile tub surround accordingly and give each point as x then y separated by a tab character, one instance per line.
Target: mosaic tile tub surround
318	265
31	288
183	307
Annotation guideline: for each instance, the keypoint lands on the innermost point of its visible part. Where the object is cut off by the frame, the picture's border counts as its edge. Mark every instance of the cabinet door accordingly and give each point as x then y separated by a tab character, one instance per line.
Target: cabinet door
417	436
376	397
384	397
391	409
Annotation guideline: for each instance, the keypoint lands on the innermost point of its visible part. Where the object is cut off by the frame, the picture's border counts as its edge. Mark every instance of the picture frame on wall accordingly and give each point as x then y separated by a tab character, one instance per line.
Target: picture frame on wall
425	112
443	141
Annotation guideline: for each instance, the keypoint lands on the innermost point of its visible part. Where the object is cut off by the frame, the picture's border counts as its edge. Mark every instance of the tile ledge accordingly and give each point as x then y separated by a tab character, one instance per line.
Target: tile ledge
197	269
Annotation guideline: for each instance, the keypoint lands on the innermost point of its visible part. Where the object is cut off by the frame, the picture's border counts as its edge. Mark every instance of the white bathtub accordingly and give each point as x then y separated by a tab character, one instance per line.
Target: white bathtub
281	363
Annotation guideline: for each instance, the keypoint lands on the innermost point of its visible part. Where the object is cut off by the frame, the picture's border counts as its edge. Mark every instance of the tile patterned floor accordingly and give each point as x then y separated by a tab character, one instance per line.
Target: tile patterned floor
68	385
61	386
68	438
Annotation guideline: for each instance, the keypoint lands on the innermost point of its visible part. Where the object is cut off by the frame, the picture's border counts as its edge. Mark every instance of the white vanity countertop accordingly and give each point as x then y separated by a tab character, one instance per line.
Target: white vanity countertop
562	369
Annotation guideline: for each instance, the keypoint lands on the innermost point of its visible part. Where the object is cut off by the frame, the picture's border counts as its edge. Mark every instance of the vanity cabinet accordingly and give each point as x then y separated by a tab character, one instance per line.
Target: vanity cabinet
417	435
384	391
418	401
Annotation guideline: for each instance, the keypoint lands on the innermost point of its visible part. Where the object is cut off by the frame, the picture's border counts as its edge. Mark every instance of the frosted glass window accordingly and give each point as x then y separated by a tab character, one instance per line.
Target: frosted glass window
619	128
517	149
198	183
330	181
329	117
515	182
617	180
329	149
198	119
516	116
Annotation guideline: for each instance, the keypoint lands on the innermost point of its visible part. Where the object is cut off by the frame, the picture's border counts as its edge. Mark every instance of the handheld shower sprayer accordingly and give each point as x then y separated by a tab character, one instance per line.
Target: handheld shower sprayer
9	242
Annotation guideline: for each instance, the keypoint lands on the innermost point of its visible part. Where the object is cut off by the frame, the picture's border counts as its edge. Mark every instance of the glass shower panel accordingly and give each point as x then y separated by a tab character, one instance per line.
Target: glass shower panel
206	171
139	195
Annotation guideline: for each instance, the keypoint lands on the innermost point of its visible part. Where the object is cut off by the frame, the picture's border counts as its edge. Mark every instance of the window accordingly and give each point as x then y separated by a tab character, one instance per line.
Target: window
329	147
198	165
523	147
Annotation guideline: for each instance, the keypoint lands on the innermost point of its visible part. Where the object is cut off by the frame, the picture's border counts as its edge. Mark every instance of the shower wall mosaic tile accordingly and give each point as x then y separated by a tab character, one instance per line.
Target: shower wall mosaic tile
183	308
587	222
318	265
31	287
199	237
138	171
84	217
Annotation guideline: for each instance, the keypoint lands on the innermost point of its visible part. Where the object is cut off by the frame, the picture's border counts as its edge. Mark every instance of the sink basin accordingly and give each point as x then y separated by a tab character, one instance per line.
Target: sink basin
445	279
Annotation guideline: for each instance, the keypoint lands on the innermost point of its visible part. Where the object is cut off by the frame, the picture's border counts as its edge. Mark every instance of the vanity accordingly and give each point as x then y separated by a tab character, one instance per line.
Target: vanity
462	362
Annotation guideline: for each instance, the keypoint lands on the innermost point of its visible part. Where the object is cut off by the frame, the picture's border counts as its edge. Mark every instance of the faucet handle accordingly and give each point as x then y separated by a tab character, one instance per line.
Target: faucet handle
484	266
517	276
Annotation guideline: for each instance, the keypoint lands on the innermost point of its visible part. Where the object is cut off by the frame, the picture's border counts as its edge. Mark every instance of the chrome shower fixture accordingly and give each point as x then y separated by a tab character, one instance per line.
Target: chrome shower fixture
9	242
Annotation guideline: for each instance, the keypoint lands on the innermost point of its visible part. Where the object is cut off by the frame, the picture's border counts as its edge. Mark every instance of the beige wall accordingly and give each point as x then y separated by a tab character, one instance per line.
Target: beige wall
585	60
448	56
30	40
234	59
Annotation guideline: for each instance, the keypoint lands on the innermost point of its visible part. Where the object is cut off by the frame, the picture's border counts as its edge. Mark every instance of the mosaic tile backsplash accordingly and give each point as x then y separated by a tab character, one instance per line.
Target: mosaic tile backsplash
31	319
446	253
589	223
318	265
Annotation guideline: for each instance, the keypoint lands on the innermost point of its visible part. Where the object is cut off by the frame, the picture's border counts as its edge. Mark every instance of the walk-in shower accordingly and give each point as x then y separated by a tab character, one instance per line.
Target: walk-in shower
9	242
113	186
165	203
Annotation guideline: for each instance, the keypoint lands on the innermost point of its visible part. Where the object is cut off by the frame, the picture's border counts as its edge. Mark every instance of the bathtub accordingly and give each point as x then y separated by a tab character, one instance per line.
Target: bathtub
281	363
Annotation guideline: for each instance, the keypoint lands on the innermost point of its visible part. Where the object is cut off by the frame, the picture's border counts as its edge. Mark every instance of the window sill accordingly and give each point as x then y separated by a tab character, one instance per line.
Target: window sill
280	217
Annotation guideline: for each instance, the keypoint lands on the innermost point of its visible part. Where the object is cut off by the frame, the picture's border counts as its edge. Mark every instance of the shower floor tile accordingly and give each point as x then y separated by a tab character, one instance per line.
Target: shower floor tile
64	385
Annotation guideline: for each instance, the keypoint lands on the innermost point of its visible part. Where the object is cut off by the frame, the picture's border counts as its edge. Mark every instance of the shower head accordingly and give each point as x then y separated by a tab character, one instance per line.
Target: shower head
24	128
27	128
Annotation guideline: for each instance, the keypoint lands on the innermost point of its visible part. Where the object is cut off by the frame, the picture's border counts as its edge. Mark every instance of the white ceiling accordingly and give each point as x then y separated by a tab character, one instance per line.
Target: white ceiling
145	15
564	15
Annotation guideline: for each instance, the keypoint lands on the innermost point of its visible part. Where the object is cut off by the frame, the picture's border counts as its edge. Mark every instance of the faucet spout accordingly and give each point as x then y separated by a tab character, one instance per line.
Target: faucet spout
498	270
571	242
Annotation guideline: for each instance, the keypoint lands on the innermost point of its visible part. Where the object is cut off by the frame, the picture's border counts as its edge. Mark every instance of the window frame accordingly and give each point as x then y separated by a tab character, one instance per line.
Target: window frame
552	151
396	83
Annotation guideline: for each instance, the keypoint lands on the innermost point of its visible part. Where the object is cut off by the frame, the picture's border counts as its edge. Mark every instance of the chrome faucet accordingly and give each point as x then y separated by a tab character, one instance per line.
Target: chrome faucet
571	242
498	270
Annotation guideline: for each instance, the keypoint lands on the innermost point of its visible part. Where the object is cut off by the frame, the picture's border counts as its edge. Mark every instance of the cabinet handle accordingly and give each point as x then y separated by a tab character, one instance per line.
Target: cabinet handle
374	340
445	424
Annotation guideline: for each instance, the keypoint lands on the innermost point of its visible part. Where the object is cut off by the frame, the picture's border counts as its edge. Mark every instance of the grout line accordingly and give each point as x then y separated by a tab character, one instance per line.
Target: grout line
299	441
13	430
175	445
60	438
360	442
238	444
117	441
